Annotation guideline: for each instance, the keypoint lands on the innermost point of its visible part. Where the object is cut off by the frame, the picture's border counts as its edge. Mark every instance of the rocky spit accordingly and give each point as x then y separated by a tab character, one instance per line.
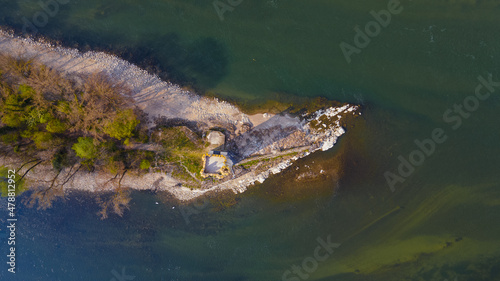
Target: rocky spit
275	136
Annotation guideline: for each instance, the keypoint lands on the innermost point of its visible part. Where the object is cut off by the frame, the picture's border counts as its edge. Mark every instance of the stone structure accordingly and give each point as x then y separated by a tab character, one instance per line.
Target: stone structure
214	165
216	138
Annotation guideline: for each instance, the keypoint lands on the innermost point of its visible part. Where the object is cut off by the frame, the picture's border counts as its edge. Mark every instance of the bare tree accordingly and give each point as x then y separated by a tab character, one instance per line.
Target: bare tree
44	196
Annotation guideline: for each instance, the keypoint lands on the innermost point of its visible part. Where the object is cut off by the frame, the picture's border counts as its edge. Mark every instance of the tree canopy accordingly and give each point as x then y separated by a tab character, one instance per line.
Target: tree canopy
122	127
85	148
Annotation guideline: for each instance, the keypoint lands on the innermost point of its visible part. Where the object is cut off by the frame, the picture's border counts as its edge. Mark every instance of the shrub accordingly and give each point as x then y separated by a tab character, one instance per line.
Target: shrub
42	139
175	138
10	138
145	164
60	160
63	107
113	165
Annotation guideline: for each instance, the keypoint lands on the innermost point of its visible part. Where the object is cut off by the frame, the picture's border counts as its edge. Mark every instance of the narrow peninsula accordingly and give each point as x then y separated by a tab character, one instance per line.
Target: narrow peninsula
94	122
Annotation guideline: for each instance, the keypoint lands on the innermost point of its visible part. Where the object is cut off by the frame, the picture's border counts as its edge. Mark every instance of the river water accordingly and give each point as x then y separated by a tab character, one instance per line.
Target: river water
416	79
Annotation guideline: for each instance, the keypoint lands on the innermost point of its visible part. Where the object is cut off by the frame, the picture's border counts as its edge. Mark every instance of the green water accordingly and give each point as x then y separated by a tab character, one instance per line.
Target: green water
441	223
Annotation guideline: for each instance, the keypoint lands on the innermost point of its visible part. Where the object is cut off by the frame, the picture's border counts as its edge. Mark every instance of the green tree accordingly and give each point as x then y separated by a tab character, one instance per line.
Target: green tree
15	110
37	116
10	137
26	91
123	125
56	126
12	120
85	148
20	187
145	164
42	139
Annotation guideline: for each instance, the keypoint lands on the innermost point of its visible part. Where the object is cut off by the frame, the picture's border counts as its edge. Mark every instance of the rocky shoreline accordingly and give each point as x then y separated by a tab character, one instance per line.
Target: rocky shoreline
280	139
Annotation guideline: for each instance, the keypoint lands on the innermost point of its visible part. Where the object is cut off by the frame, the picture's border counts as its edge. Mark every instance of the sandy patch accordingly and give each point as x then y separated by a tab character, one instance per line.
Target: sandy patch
257	119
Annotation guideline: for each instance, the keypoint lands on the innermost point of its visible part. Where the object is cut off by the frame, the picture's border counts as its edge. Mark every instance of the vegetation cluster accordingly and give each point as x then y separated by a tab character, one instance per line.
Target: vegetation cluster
85	122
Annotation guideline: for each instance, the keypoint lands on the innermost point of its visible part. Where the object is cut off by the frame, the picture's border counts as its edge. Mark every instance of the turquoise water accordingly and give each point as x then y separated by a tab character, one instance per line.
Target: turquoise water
440	223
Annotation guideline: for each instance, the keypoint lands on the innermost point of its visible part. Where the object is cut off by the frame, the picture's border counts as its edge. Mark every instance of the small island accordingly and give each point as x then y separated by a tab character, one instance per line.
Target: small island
93	122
